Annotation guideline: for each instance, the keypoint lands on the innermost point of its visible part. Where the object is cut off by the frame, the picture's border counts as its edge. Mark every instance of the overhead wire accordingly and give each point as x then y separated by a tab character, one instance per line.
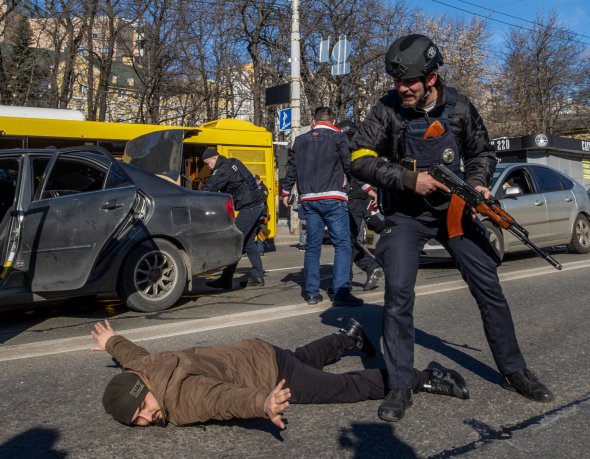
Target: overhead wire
500	21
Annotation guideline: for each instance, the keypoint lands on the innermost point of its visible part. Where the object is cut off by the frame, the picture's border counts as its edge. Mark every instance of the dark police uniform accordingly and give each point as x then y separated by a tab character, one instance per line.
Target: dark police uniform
358	201
391	141
231	176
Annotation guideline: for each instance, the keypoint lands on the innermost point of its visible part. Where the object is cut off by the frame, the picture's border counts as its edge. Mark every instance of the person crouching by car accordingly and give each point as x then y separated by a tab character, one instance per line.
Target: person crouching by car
229	175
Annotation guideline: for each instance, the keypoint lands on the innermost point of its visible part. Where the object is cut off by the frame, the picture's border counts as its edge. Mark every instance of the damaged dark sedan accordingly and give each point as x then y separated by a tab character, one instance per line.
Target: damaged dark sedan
77	222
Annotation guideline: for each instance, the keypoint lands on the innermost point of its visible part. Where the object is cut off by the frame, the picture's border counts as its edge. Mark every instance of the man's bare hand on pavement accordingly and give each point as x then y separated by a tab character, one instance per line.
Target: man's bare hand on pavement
101	334
276	403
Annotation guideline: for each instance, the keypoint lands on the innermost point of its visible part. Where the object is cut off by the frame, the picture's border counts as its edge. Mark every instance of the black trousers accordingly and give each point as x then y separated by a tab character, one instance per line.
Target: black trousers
360	256
302	369
398	252
247	223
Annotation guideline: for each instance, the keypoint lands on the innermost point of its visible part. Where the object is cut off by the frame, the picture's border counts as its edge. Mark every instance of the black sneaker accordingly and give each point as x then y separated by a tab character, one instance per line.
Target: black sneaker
444	381
253	282
219	283
396	402
346	299
526	383
314	299
372	278
362	342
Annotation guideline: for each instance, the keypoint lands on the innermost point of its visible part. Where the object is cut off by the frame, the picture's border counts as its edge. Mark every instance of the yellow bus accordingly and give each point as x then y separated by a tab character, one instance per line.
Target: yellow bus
239	139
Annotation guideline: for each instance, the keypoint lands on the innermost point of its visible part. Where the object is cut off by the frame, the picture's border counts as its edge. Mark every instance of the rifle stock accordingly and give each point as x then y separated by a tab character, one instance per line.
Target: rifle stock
487	207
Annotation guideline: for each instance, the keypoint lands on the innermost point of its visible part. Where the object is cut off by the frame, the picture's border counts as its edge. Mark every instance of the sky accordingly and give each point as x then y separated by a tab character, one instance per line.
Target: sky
574	15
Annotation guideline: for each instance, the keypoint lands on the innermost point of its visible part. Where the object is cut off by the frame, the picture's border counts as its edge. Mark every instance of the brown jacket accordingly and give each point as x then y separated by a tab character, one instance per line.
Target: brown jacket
204	383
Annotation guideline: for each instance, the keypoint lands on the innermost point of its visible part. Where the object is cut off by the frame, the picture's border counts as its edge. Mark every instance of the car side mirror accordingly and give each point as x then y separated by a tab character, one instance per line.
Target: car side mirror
513	191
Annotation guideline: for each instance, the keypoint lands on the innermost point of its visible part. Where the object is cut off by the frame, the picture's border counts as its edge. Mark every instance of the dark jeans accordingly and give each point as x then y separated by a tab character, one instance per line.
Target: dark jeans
302	369
332	213
361	257
398	252
247	223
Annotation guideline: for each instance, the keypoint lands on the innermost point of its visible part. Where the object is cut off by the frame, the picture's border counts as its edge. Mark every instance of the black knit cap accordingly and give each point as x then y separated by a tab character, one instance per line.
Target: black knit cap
123	396
209	153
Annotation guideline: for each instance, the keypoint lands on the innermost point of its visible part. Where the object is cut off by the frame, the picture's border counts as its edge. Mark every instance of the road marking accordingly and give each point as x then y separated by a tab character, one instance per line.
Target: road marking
80	343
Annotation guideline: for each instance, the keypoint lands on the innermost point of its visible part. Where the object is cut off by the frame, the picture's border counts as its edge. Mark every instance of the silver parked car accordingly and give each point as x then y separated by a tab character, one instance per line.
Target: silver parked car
552	207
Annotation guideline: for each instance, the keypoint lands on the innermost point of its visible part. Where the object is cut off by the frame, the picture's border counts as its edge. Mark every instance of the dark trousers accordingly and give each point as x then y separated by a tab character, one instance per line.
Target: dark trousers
398	252
247	223
302	369
361	257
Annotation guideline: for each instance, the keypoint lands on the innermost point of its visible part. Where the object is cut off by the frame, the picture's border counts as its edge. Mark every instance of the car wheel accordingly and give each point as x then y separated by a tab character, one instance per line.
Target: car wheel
153	276
580	242
496	237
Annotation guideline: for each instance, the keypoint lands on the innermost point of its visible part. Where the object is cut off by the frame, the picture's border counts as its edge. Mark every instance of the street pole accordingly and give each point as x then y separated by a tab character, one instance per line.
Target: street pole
295	72
295	93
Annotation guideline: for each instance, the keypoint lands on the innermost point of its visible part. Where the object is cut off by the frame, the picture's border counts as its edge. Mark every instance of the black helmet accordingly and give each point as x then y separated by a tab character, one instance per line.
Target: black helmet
348	127
412	56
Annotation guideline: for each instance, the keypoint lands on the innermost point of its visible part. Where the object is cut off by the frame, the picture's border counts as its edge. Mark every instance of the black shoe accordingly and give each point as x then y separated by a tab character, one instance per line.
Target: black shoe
314	299
362	342
372	278
253	282
444	381
393	408
219	283
346	299
528	385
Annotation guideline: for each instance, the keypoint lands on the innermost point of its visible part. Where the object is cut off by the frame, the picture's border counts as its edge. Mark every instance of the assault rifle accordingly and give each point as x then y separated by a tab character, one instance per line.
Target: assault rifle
463	193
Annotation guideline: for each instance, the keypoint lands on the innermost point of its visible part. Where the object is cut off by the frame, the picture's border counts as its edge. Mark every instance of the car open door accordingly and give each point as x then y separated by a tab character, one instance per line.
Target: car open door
81	202
158	152
13	173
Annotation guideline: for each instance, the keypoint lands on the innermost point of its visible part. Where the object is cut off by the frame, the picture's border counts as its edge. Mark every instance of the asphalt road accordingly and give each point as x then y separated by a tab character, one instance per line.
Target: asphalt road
52	385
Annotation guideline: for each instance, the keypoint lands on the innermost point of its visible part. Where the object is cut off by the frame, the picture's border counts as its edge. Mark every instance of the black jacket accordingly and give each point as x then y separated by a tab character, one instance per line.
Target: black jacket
382	132
319	162
231	176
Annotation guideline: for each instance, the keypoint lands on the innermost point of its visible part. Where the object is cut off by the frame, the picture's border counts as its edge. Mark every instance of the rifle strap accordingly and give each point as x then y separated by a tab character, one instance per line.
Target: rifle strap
454	216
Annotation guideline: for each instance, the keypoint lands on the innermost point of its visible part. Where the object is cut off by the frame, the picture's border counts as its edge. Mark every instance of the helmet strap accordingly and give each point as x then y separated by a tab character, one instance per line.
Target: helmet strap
427	89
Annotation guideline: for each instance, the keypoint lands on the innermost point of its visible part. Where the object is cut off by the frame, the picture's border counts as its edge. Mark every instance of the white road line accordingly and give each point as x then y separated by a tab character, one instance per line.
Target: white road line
80	343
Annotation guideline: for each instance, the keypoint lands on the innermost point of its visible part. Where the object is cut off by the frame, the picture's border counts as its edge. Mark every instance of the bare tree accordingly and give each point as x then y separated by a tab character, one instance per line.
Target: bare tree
66	24
543	74
5	13
369	25
154	54
104	42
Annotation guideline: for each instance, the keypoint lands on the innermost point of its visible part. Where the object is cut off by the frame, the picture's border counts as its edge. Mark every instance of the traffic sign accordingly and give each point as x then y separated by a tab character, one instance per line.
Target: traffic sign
285	119
340	55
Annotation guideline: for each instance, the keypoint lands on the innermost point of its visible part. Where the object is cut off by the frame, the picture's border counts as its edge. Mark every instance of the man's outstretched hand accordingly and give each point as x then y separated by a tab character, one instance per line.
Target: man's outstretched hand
276	403
101	334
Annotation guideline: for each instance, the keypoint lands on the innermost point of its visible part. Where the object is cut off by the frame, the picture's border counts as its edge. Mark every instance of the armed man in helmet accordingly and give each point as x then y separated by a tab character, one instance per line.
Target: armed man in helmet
419	123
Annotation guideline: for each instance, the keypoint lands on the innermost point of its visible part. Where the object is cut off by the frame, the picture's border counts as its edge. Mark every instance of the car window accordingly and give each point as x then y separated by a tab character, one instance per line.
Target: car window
72	175
519	178
39	166
547	179
116	178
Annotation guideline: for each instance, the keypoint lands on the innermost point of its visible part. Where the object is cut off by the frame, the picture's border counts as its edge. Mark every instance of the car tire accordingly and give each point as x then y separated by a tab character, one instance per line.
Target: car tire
580	242
153	277
496	237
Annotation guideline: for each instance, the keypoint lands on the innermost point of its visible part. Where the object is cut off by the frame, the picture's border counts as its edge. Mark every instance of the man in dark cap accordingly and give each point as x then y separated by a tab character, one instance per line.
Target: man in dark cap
229	175
422	122
247	379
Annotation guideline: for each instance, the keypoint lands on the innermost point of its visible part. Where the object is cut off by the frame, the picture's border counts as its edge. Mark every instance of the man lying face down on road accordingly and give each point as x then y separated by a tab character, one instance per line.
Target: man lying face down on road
248	379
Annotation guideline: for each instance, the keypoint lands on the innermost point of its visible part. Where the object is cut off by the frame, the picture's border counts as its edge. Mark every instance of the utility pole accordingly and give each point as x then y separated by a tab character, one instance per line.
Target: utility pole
295	94
295	71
